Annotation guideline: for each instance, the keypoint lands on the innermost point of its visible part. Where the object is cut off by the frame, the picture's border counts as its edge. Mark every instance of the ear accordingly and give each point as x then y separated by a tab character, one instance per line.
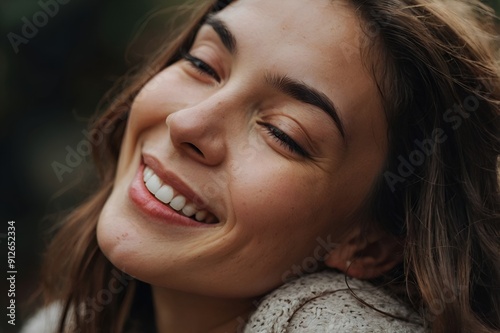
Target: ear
366	254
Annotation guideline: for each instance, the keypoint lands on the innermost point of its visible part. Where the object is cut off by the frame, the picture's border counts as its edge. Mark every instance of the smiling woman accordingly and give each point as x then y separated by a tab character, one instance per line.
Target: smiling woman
251	184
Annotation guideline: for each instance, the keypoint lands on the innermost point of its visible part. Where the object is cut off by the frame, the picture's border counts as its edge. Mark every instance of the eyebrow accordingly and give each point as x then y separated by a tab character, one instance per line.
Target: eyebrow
308	95
225	35
293	88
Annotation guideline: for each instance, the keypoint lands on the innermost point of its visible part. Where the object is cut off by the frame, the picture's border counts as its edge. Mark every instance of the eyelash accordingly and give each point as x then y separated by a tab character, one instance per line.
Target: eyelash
201	66
283	139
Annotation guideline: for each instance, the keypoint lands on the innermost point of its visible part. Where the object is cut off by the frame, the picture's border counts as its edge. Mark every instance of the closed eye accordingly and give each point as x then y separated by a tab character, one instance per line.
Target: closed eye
201	66
284	140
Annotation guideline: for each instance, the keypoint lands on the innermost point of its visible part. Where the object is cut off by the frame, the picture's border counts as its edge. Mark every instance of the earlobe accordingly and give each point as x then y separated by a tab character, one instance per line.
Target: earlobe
366	256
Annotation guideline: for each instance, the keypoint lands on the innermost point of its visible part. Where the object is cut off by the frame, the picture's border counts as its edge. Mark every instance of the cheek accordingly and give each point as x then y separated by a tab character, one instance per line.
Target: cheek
282	205
275	220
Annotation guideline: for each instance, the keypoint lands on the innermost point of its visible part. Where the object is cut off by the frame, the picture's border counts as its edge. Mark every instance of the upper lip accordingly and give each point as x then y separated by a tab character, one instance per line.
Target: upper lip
171	179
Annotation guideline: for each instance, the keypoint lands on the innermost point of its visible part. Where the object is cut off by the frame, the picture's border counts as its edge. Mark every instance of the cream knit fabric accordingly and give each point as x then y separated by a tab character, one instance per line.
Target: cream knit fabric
321	302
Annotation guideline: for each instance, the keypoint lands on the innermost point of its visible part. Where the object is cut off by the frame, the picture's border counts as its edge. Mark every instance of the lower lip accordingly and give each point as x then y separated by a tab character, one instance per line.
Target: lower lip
158	211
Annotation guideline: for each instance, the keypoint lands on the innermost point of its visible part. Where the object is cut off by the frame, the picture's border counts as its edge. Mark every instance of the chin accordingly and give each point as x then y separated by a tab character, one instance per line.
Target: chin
113	232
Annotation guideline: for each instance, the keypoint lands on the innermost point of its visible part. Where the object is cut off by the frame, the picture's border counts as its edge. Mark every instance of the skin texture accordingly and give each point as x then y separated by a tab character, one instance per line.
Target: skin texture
272	203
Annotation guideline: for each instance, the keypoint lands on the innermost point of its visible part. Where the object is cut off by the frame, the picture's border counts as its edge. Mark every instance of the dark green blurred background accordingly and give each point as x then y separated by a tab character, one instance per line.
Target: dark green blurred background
48	91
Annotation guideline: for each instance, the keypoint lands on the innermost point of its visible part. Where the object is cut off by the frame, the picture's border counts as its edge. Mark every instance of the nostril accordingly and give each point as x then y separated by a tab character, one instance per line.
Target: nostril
196	149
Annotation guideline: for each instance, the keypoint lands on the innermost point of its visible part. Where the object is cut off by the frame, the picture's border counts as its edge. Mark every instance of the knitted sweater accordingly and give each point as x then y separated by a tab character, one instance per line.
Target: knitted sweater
322	302
315	303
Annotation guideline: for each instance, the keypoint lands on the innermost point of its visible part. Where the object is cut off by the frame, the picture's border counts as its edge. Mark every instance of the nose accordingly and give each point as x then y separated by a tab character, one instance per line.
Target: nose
199	132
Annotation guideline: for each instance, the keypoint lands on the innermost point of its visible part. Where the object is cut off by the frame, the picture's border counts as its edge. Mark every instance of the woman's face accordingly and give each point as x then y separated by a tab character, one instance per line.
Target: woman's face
270	131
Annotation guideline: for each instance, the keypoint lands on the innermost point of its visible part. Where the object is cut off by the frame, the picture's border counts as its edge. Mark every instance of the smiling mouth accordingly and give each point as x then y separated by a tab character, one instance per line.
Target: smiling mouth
167	195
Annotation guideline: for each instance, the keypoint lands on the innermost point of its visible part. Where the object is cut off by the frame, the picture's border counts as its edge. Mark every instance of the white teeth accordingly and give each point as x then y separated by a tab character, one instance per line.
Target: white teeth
189	210
153	184
178	202
148	173
165	194
201	215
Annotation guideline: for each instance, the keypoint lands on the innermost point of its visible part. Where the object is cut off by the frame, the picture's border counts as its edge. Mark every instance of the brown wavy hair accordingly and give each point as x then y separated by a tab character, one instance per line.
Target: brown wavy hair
436	65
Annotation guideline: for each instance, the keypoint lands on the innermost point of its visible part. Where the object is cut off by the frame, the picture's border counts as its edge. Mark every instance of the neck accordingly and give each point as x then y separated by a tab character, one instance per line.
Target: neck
181	312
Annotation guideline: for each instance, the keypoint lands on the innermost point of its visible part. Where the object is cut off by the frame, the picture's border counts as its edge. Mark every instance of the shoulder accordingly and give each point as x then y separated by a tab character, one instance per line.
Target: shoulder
322	302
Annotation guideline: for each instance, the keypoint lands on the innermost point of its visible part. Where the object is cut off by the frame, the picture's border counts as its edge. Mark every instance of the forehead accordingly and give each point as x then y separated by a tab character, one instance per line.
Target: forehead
311	23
